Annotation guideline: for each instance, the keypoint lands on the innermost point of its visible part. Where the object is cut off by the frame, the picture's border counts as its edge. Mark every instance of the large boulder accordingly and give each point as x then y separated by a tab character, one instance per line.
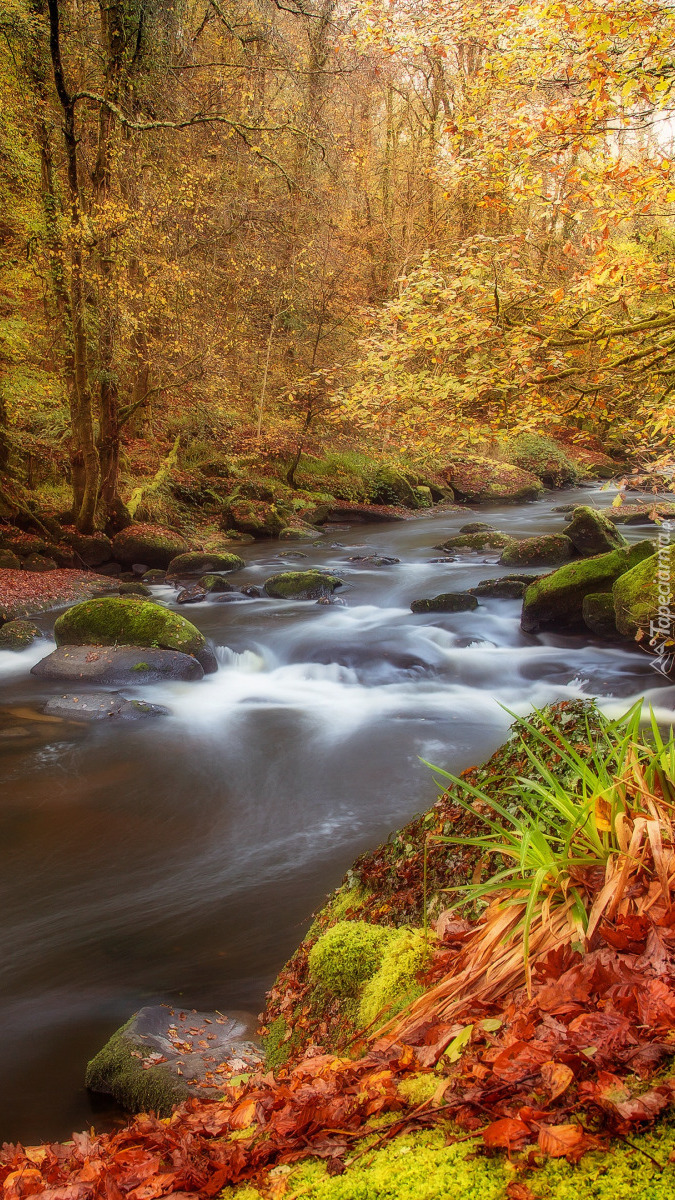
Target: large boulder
116	665
591	532
153	545
484	480
558	599
301	585
116	621
389	486
197	563
642	514
644	598
258	518
17	635
92	549
102	706
598	614
161	1056
9	561
446	602
543	457
549	550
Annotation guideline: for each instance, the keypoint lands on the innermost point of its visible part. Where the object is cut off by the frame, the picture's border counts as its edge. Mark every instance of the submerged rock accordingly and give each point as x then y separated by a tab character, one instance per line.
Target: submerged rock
101	706
301	585
642	514
163	1055
548	550
117	665
476	527
18	634
202	564
153	545
591	532
446	602
508	587
130	622
558	599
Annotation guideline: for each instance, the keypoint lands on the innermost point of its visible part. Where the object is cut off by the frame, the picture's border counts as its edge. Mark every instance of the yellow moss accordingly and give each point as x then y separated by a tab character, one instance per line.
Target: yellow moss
395	984
416	1089
348	955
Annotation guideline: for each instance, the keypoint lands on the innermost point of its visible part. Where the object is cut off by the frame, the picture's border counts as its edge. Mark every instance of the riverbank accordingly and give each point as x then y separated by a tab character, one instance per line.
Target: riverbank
506	1097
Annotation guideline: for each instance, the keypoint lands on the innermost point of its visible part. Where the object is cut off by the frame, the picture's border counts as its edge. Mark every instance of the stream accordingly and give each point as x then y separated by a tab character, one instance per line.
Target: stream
181	858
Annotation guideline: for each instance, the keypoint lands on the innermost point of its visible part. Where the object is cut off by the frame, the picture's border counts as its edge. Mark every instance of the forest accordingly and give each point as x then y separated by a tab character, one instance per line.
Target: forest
337	456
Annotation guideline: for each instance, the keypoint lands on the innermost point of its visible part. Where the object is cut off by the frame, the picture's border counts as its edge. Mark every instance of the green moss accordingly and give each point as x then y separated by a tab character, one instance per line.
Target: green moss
16	635
641	592
389	486
118	1072
547	551
598	614
416	1089
140	666
301	585
544	458
153	545
420	1166
395	983
347	956
483	480
559	597
489	539
117	621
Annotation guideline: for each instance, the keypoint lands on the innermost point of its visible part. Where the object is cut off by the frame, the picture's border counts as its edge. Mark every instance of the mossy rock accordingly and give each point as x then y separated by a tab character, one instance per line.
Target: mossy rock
215	583
9	561
642	514
558	599
130	622
548	550
644	597
489	539
477	480
198	563
39	563
18	634
134	588
543	457
153	545
592	532
508	587
446	602
598	614
347	956
394	985
389	486
256	517
297	533
424	496
117	1070
301	585
154	576
92	549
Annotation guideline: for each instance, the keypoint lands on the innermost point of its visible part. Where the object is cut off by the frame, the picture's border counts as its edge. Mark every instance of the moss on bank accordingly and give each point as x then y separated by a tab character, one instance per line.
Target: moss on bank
117	1070
421	1166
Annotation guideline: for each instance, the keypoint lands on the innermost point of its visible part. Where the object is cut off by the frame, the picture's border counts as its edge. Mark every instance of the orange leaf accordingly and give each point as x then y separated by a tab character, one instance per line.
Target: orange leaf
557	1078
507	1132
243	1115
560	1140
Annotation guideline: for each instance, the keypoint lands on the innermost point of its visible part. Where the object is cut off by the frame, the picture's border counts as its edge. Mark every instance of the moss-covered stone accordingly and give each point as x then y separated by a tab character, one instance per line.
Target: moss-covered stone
598	614
38	563
395	983
9	561
424	496
488	539
153	545
543	457
558	599
256	517
390	486
446	602
197	563
549	550
591	532
347	956
113	621
301	585
642	514
117	1070
154	576
297	533
91	549
484	480
508	587
644	598
134	588
215	583
16	635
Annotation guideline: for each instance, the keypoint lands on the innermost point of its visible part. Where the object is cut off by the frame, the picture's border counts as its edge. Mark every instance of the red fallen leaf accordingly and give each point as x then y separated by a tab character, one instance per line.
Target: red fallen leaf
244	1114
507	1133
556	1078
519	1191
519	1060
27	1181
645	1107
558	1141
156	1185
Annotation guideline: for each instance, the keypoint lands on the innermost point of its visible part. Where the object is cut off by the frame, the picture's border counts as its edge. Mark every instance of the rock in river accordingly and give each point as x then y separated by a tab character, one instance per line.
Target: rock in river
301	585
549	550
558	599
101	706
592	532
202	564
150	544
116	665
446	602
162	1055
130	622
16	635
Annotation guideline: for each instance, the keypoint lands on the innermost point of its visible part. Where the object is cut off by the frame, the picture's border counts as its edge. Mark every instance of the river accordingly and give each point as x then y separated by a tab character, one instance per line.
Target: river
181	858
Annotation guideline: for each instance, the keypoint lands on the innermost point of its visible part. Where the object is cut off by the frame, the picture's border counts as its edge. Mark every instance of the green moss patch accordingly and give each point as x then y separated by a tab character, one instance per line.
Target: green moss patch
543	457
558	598
117	1070
113	621
347	956
301	585
646	595
549	550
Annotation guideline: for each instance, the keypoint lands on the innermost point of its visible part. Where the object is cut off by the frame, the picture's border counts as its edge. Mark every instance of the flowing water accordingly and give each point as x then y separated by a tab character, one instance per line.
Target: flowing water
182	858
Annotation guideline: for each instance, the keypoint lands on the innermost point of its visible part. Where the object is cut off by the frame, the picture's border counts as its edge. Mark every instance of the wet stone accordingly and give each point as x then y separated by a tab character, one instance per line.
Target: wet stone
116	665
102	706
